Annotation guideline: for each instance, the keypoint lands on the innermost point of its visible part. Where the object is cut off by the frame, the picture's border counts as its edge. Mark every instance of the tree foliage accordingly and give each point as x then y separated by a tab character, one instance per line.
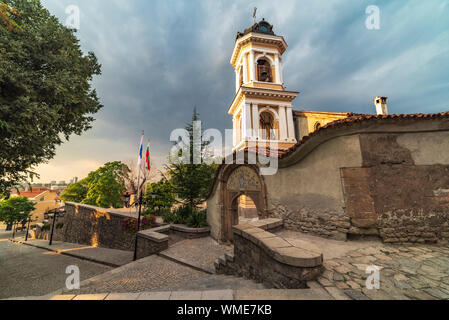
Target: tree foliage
103	187
15	209
164	196
45	88
192	182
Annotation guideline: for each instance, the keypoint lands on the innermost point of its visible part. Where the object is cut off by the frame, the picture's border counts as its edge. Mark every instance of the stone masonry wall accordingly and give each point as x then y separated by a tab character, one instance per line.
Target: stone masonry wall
315	215
97	227
393	196
264	257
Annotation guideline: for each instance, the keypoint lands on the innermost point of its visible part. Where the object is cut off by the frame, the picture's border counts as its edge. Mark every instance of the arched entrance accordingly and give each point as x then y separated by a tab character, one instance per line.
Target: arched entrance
241	183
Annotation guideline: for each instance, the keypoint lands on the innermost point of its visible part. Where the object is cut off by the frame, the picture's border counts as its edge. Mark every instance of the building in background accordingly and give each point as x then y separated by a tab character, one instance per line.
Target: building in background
45	200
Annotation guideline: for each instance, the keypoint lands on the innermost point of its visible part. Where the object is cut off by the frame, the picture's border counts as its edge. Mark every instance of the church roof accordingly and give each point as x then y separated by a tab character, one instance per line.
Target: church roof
261	27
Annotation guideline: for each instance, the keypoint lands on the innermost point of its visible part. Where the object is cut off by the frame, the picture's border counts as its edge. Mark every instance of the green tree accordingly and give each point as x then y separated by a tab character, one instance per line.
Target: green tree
76	192
45	89
191	182
15	209
103	187
7	15
164	196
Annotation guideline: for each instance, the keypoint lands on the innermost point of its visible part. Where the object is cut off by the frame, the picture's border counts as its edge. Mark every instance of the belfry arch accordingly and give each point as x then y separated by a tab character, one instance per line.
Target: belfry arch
238	180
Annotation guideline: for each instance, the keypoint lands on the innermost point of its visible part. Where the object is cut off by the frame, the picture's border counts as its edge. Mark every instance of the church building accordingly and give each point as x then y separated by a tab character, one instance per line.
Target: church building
340	175
262	110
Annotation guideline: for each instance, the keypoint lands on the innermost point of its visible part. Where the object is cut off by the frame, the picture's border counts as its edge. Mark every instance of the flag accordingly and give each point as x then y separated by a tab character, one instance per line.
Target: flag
147	157
139	161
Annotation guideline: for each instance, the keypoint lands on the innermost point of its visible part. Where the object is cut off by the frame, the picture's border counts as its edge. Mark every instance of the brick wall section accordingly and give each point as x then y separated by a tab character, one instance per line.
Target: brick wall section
405	202
97	227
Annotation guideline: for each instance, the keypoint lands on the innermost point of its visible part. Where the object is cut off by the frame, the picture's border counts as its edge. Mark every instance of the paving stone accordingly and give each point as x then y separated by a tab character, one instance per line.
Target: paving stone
356	295
342	269
418	295
401	285
123	296
218	295
341	285
62	297
99	296
383	257
155	296
186	295
400	277
437	293
337	294
338	276
375	294
353	285
324	282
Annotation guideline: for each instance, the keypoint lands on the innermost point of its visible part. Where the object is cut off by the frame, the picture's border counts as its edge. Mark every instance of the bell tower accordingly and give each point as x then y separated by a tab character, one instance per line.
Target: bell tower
262	108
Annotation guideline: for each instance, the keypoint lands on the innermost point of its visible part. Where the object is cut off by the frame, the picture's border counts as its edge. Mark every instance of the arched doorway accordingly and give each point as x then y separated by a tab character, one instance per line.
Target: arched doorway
244	198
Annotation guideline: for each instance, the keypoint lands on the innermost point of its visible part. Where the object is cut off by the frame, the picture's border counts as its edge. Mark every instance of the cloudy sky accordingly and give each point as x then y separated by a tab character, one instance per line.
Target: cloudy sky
161	58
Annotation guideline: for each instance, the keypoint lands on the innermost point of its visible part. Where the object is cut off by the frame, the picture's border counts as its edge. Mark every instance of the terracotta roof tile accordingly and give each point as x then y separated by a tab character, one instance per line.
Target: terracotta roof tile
357	118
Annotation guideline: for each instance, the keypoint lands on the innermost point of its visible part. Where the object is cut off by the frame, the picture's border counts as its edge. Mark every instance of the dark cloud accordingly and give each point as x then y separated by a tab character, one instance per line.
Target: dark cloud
161	58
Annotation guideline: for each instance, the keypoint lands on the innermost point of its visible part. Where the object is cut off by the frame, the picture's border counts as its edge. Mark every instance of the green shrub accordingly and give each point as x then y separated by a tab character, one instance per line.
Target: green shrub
45	227
198	219
60	225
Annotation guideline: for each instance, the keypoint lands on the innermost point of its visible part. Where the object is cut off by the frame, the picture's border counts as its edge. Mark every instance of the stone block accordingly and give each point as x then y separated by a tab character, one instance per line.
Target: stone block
155	296
218	295
186	295
298	257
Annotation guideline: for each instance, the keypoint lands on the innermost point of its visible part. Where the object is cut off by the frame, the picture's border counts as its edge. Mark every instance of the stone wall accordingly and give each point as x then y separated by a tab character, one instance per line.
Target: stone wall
58	233
399	191
152	241
96	227
308	195
264	257
386	177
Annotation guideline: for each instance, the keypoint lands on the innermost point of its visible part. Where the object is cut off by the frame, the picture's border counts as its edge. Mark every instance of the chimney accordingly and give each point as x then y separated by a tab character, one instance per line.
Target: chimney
381	106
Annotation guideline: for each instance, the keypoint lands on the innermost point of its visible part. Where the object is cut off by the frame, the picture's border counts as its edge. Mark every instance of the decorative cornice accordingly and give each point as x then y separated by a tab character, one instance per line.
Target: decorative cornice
277	41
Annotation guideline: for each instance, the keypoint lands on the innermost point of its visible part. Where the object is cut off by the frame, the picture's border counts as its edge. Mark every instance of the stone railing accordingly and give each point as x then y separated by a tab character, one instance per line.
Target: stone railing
262	256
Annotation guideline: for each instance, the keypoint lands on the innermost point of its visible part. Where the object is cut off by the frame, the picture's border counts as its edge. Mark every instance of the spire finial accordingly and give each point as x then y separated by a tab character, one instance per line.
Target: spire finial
255	14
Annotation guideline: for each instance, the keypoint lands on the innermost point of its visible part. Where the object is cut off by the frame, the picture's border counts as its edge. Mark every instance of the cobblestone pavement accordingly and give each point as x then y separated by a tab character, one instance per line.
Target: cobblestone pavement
29	271
200	252
156	273
406	272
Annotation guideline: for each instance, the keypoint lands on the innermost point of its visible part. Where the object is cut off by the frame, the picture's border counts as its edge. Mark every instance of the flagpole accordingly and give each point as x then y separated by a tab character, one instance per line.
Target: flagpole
139	195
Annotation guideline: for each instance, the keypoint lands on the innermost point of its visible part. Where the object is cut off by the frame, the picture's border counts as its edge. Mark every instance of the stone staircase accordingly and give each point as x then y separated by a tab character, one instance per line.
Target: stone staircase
226	265
264	257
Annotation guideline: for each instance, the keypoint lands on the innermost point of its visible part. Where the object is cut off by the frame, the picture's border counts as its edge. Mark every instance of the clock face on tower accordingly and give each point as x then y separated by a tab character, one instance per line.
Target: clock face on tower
263	28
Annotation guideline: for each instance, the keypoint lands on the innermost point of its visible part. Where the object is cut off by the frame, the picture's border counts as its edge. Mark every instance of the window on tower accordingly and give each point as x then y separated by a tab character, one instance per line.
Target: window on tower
267	126
264	71
241	77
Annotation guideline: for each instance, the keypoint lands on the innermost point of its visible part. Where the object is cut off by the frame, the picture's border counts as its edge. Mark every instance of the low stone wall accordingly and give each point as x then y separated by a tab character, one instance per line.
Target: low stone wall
267	258
315	215
150	242
58	234
96	227
100	227
189	233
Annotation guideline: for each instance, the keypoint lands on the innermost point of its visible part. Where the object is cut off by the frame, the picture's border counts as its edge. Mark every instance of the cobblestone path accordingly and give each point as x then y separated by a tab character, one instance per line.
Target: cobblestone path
29	271
406	272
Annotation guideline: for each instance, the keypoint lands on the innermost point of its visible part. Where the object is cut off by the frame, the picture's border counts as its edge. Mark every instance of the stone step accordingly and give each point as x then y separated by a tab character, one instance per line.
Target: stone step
229	257
222	260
